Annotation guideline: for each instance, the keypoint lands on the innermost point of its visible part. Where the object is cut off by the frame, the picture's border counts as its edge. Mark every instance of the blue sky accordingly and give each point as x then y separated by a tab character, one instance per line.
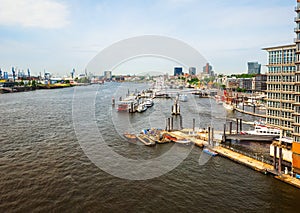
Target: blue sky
58	35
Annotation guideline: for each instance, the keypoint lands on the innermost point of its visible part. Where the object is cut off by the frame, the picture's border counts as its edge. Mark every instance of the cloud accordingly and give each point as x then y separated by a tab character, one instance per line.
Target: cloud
47	14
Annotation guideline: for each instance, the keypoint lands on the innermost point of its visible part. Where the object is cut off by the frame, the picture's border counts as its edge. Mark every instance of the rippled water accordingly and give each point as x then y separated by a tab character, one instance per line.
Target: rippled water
43	168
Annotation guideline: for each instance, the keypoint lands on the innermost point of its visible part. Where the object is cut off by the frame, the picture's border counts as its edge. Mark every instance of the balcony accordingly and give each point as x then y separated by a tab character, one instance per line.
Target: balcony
297	9
296	29
297	19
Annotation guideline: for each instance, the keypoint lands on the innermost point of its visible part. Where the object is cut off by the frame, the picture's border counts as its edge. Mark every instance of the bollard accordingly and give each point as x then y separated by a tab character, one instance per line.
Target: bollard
171	125
254	108
237	126
230	128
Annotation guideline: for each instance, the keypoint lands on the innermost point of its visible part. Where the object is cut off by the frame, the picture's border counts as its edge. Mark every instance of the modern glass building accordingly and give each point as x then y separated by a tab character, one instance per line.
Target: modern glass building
254	68
192	70
178	71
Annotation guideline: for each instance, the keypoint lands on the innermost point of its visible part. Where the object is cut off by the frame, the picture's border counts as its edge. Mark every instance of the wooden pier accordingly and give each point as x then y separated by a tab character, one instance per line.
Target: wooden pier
242	159
249	113
241	137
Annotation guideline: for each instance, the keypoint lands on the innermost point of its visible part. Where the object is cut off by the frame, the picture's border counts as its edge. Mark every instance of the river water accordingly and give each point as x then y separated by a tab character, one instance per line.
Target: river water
43	166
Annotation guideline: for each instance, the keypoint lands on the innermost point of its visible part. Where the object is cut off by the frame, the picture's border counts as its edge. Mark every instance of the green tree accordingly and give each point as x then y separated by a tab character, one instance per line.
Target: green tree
33	84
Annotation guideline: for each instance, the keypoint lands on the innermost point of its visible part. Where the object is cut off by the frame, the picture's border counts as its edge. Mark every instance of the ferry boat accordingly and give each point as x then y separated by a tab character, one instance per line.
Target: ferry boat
125	105
263	130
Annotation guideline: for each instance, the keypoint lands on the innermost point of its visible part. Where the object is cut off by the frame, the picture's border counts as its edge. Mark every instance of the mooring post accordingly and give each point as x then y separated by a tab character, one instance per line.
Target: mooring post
280	160
224	133
131	107
237	126
212	136
275	157
243	104
167	124
172	123
230	127
241	125
254	108
180	122
194	123
209	135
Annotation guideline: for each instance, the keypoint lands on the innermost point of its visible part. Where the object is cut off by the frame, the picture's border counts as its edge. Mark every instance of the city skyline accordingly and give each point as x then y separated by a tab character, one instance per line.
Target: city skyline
61	35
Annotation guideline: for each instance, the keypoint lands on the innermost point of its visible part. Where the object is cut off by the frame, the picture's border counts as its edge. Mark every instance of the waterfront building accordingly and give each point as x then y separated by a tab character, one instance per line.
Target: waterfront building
281	87
296	115
254	68
178	71
259	83
245	83
192	70
231	83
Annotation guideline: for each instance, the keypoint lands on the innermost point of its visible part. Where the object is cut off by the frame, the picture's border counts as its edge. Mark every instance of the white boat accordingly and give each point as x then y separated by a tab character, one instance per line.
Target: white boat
263	130
149	102
183	98
141	107
183	141
228	106
219	102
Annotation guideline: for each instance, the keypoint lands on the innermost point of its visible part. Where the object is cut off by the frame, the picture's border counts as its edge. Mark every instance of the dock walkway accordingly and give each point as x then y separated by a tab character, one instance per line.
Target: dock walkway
249	113
242	159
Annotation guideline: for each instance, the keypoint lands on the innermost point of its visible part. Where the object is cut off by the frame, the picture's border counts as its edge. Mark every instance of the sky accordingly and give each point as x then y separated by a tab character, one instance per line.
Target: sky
59	35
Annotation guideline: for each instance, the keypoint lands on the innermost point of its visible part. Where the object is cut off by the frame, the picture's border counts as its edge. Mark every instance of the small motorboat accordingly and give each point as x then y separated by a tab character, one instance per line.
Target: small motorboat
149	102
183	98
141	107
210	152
